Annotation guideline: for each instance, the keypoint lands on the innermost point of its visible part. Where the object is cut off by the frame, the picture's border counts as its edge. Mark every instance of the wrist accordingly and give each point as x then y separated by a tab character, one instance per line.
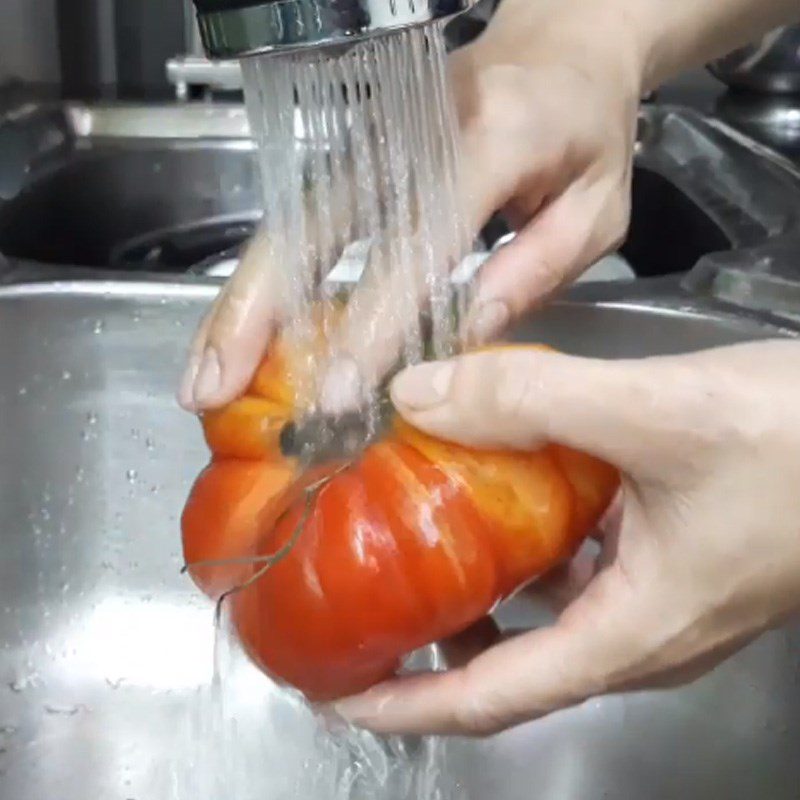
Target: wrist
601	39
642	42
684	34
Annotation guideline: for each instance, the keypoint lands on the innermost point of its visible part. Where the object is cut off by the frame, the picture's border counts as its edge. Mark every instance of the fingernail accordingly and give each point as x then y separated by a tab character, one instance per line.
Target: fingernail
328	718
342	387
186	390
427	385
209	378
487	320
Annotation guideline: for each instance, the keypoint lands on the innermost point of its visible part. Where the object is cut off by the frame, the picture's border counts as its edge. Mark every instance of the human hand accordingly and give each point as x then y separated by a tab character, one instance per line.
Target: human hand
700	557
547	126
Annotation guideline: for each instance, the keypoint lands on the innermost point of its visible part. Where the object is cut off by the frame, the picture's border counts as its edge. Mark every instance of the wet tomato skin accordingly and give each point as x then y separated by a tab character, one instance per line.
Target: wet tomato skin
411	543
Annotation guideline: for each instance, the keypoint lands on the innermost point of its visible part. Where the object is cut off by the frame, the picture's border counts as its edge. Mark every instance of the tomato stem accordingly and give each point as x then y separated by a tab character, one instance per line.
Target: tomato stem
310	494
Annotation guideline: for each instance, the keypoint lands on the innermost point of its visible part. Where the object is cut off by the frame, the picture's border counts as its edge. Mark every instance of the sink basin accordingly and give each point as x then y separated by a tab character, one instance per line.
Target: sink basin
107	648
147	188
163	188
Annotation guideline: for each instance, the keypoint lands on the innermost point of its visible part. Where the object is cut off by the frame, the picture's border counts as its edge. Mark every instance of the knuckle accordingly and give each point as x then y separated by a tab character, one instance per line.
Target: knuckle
545	276
476	714
708	413
504	398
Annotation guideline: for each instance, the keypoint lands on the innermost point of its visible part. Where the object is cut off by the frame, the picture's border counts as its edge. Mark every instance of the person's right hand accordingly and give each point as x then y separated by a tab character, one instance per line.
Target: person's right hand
701	556
547	128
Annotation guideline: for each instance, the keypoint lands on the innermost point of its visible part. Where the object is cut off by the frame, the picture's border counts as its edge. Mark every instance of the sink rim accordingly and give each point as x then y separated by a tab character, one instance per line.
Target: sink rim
663	296
712	164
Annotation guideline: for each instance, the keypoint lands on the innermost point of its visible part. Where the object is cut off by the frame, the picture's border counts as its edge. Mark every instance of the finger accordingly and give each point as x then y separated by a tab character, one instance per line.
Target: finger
235	334
579	226
585	654
186	387
641	415
383	320
383	314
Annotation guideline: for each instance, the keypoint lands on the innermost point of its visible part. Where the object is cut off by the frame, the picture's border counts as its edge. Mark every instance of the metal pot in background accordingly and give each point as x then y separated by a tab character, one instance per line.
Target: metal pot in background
771	65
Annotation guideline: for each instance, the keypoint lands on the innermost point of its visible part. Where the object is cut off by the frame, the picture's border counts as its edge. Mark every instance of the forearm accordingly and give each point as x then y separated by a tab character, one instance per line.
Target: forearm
652	39
685	33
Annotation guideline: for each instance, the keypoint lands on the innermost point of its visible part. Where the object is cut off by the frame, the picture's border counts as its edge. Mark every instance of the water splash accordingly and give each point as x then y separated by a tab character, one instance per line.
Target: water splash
358	149
244	737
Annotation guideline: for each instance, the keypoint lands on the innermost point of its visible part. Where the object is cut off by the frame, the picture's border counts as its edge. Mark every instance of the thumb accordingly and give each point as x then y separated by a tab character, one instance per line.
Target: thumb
234	336
593	649
625	412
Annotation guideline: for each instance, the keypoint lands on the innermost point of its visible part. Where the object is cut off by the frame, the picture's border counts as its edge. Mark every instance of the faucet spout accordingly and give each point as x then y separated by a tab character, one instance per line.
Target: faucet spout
239	28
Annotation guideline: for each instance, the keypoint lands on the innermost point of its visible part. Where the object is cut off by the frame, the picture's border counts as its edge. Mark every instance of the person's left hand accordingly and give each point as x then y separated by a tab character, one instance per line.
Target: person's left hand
701	557
561	172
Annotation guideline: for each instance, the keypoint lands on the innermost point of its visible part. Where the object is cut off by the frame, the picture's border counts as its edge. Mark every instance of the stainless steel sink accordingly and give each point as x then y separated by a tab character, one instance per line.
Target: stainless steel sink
106	648
153	188
107	651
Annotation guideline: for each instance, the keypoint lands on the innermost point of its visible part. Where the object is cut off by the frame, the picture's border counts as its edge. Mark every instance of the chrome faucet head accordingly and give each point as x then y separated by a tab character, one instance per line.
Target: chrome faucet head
239	28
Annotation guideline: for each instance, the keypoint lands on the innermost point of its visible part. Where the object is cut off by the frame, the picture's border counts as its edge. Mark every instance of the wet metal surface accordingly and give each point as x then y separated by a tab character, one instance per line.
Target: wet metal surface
104	643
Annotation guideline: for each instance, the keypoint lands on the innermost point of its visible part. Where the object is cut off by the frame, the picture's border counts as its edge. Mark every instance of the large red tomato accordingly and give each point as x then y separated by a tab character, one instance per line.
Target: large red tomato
412	542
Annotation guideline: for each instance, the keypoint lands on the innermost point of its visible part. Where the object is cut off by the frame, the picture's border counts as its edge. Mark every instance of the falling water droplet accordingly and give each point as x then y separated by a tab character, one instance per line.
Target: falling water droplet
22	391
66	375
149	443
99	326
91	418
131	475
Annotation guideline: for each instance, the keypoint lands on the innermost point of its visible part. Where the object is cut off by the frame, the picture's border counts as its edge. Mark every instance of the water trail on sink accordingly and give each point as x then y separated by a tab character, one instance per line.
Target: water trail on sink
357	155
244	738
